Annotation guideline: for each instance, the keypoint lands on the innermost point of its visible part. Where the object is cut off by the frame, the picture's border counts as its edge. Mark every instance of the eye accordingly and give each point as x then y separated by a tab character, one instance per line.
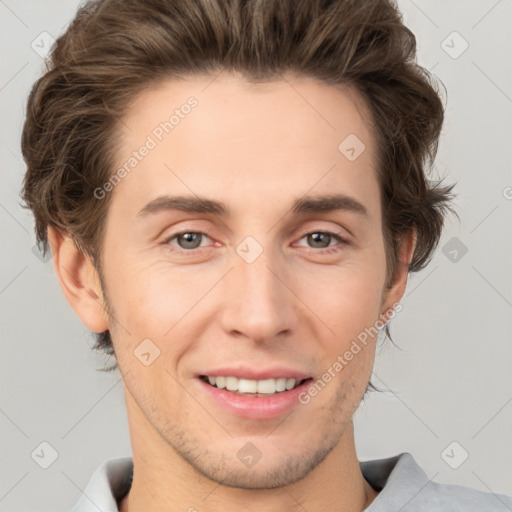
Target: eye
321	240
188	240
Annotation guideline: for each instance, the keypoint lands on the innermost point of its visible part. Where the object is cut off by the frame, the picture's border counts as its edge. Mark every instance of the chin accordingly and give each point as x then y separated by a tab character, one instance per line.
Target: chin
261	474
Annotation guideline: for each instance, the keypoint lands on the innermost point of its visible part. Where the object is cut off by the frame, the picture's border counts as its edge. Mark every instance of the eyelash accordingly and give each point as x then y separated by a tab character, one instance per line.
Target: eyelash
326	250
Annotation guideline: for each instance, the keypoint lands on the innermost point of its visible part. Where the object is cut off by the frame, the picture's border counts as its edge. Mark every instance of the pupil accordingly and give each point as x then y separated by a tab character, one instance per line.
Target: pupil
319	240
189	240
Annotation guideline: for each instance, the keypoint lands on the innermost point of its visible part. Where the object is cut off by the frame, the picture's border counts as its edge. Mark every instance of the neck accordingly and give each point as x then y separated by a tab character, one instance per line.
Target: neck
162	480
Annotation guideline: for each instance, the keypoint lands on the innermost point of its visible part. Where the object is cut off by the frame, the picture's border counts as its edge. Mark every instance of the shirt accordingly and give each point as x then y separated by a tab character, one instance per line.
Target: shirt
402	485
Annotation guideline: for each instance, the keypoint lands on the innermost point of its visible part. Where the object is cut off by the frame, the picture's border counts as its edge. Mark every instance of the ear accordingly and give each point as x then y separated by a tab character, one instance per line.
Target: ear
396	288
79	281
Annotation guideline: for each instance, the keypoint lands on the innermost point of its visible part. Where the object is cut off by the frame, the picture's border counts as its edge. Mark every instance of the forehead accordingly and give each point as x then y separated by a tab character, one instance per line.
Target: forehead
218	135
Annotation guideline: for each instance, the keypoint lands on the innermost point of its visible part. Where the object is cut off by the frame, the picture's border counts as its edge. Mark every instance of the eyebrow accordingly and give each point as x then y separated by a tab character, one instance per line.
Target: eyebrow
329	203
187	204
196	204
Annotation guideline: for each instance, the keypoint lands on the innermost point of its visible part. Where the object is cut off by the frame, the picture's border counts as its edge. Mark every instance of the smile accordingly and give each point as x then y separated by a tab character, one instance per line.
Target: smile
251	387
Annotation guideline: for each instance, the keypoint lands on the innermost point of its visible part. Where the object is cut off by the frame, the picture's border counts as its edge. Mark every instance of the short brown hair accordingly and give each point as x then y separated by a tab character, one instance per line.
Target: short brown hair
115	49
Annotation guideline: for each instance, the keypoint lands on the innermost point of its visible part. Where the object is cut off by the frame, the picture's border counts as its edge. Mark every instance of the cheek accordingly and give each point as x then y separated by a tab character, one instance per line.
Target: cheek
151	299
346	303
347	307
348	296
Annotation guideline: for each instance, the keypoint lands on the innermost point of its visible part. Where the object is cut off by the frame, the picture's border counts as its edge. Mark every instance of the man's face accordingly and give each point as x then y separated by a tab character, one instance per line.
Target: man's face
262	291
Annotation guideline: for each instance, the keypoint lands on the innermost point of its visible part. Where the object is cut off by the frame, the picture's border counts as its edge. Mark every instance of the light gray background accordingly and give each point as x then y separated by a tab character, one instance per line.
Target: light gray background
451	380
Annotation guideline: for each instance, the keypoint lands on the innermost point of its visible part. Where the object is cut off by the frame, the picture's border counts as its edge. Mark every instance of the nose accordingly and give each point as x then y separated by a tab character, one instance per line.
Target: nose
258	304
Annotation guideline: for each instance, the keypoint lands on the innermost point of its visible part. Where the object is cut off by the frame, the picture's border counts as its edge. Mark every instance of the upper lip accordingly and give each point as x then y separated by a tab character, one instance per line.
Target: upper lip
246	372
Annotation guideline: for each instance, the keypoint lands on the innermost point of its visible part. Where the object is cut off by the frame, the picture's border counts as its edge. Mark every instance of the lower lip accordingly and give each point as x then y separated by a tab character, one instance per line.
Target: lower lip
252	407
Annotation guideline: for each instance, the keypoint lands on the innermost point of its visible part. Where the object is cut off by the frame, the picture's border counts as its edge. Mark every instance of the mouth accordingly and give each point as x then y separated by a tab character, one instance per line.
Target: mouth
263	393
253	388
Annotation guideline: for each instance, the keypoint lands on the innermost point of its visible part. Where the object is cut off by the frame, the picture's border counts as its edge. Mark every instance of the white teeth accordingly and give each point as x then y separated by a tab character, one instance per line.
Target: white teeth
280	384
290	383
231	383
247	386
264	387
267	386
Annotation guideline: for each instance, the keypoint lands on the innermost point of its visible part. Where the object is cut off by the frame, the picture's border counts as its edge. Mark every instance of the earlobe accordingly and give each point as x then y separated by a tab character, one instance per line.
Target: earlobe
79	280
